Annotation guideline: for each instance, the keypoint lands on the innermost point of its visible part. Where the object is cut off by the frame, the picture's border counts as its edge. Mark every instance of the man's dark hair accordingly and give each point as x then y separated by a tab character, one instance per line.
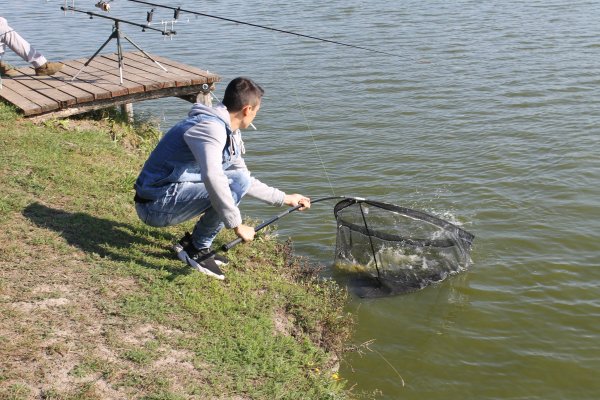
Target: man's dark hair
242	92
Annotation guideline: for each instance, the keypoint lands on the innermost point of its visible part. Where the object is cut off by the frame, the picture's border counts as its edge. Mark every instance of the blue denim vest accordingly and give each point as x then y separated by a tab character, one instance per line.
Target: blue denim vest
172	161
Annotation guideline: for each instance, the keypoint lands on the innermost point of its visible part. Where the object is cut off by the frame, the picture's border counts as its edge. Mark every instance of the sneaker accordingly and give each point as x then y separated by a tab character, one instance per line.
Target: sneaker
186	241
200	262
7	70
50	68
179	247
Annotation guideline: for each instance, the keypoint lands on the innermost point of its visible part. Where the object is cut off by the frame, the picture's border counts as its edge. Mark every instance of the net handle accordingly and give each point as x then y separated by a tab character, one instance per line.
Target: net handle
233	243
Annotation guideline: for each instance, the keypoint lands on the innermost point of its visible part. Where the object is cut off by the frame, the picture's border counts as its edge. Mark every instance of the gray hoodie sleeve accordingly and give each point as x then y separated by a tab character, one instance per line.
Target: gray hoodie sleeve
258	190
206	140
266	193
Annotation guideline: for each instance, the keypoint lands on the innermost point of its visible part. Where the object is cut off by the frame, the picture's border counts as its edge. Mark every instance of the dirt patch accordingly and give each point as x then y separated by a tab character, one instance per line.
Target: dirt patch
47	303
50	313
283	323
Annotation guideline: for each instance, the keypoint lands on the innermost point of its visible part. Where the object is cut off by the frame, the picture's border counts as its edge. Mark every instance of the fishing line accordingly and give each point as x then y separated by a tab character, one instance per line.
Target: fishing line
308	126
390	364
335	42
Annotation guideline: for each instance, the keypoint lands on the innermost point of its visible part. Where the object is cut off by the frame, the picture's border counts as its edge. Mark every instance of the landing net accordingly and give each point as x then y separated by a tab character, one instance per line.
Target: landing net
389	249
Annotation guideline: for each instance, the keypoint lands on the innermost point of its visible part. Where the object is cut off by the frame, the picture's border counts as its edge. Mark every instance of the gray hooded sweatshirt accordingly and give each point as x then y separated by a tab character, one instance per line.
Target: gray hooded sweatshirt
200	149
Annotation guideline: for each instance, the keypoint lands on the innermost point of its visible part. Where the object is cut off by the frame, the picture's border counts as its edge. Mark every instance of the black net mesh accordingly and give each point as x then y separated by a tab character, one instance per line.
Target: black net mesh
389	249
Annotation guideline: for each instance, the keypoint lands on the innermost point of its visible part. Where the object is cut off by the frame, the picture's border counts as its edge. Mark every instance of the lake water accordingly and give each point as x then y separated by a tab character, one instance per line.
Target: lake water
488	117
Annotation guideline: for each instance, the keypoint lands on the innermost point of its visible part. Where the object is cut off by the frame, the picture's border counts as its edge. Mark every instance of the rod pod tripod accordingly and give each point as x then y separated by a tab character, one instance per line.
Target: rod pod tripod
117	34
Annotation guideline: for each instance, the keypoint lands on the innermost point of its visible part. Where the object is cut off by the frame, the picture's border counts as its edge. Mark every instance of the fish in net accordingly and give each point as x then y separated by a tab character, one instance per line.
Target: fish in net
386	249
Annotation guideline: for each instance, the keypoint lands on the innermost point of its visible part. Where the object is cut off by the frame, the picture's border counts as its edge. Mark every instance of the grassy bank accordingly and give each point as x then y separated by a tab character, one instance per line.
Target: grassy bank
94	305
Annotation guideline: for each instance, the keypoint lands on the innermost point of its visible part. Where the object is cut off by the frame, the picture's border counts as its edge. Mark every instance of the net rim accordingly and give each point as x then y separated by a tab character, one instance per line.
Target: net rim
440	243
461	233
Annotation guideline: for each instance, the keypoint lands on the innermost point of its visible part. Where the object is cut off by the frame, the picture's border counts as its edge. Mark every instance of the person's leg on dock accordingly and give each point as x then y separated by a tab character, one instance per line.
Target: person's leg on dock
11	39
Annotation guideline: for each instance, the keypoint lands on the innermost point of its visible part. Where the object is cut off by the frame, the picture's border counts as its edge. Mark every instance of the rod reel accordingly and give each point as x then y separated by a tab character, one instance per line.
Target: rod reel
167	25
66	6
103	5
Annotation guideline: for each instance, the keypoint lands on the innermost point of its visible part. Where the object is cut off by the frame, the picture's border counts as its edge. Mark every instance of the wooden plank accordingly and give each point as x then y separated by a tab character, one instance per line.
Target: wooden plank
178	77
181	77
111	73
132	82
84	81
199	76
107	80
98	85
80	95
49	86
210	77
150	71
104	76
59	81
28	107
93	76
37	84
145	80
43	102
100	104
148	76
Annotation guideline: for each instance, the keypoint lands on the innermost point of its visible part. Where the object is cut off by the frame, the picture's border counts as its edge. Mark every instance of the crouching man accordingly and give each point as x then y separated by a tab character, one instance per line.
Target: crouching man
197	169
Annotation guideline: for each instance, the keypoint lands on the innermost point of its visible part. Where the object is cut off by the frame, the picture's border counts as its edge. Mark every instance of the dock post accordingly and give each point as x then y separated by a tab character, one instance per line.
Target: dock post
205	96
127	111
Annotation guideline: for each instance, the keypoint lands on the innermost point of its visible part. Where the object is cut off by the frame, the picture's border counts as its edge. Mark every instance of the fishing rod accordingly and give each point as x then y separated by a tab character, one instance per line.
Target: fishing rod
117	20
177	10
290	210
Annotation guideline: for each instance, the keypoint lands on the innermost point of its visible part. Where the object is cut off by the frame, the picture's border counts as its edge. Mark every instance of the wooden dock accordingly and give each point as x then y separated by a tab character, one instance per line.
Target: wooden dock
98	85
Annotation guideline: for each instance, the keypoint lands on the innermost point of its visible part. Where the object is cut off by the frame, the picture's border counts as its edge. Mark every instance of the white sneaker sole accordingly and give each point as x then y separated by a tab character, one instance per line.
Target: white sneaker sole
183	255
203	270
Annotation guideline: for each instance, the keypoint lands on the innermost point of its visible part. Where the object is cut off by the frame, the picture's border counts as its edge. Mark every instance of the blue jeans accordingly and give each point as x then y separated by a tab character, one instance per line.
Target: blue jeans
186	200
